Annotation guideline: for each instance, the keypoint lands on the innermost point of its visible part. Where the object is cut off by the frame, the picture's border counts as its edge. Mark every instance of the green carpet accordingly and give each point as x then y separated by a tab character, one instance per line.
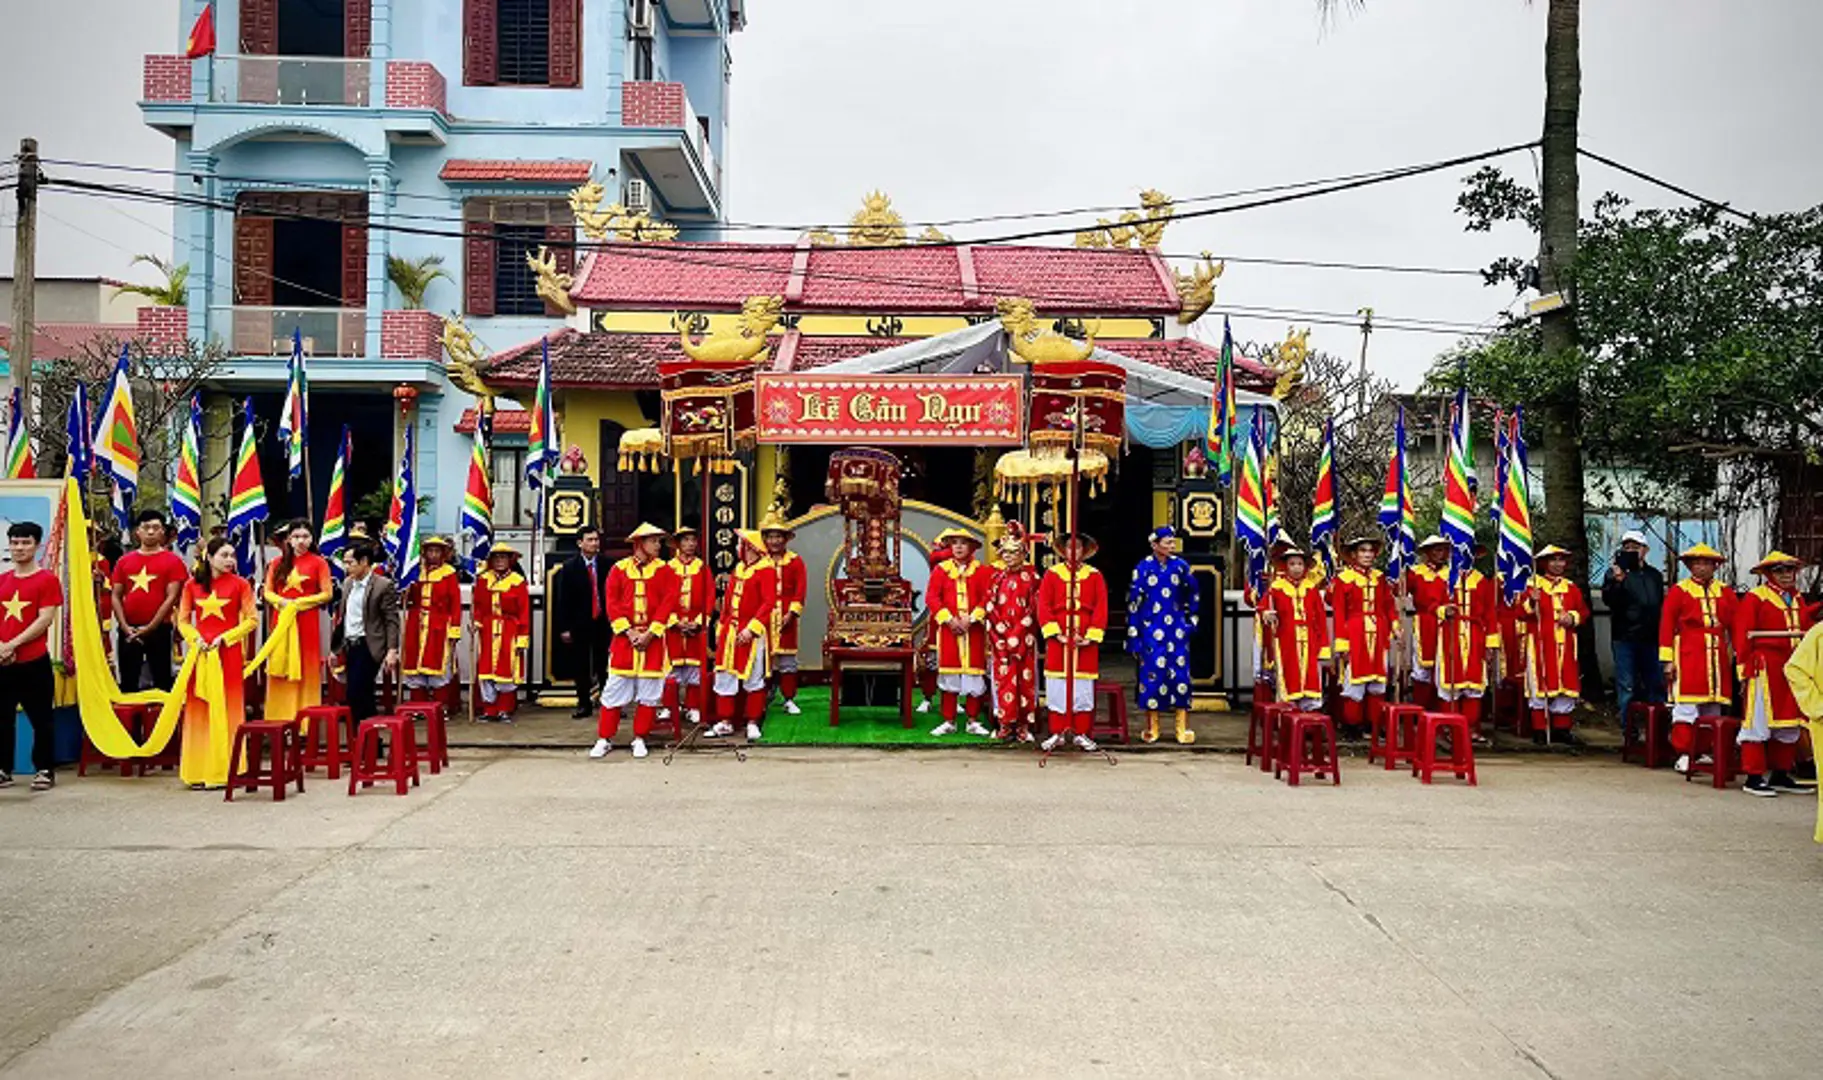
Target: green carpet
862	725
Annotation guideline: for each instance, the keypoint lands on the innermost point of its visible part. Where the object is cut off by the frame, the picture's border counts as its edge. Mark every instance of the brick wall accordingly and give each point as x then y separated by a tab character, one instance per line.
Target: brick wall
653	104
414	84
163	326
411	335
167	78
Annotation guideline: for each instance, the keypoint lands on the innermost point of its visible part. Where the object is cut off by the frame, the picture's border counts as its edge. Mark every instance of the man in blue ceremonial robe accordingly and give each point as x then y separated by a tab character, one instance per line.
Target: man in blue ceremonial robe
1161	616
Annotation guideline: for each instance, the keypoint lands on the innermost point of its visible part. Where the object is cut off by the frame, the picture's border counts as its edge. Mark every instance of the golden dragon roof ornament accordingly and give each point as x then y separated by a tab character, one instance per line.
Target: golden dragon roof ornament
1144	228
1287	362
876	224
1196	291
745	342
464	366
1036	343
553	284
616	220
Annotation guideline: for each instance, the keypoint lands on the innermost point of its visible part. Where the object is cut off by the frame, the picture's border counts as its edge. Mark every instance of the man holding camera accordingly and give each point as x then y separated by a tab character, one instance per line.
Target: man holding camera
1635	593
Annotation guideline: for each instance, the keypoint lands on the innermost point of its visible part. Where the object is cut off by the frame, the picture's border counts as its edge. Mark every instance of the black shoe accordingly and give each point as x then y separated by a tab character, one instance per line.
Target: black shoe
1782	781
44	781
1805	774
581	714
1757	785
6	778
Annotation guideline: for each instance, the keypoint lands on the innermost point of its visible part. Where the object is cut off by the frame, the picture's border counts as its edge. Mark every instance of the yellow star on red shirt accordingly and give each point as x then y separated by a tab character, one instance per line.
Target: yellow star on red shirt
296	579
212	605
142	580
16	607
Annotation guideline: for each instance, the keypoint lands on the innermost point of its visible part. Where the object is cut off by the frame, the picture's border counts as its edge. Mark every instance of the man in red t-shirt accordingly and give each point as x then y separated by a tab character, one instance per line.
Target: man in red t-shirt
147	583
29	599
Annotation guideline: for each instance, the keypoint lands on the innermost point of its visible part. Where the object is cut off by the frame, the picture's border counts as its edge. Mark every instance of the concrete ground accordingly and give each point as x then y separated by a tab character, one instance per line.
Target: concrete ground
828	913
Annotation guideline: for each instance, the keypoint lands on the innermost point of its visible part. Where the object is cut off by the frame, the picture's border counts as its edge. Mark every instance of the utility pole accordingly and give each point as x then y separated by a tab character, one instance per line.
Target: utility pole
25	276
1367	329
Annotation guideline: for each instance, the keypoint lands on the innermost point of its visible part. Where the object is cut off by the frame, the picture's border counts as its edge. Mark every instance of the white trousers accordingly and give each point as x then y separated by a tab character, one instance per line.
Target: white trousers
622	689
727	684
1082	696
962	685
1687	713
1557	703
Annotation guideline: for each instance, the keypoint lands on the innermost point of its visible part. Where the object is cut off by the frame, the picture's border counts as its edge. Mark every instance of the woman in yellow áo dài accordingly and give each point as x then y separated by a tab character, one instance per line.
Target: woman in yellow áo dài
296	586
214	615
1804	671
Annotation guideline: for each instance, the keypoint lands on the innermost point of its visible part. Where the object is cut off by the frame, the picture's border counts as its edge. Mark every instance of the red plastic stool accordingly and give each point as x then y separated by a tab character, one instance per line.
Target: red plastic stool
1296	755
434	750
1648	734
1716	736
1462	754
136	719
328	737
1401	731
1261	723
275	739
1114	728
401	762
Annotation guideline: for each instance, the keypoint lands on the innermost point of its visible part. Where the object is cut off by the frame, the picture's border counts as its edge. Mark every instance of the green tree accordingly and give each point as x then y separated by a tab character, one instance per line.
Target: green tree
413	277
174	291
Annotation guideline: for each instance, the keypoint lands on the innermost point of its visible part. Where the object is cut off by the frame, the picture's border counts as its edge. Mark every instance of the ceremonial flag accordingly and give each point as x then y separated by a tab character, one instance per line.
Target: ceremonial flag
335	516
1515	557
1222	411
1396	517
1500	470
1270	489
20	464
478	501
202	35
541	451
294	417
1250	507
77	438
117	436
402	539
1323	501
187	488
247	496
1458	522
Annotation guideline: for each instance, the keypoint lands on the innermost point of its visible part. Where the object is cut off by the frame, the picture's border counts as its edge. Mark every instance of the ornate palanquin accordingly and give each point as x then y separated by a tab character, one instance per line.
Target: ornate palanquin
871	605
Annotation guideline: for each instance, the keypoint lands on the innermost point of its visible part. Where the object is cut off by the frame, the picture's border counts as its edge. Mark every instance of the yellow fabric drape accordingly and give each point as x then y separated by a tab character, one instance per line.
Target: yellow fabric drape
283	654
1804	671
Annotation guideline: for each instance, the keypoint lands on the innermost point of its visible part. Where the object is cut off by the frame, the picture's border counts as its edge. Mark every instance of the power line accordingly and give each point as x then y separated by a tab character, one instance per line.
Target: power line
1638	174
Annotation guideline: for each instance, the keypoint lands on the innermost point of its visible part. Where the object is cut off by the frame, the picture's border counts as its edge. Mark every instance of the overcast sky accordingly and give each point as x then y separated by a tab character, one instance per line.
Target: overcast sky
959	108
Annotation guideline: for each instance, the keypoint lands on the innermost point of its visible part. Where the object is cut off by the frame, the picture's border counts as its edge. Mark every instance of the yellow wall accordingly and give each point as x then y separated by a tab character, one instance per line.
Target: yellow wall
579	417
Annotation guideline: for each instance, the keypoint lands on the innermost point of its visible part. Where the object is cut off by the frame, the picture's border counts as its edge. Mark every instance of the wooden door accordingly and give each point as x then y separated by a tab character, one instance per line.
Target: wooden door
619	494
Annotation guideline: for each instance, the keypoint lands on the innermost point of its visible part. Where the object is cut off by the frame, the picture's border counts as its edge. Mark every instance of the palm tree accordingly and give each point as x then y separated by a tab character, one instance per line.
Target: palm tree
174	292
1561	419
412	277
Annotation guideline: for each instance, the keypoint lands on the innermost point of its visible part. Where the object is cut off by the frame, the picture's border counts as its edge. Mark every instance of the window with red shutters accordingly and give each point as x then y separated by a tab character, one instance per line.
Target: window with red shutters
357	28
478	268
253	260
354	266
480	42
259	27
562	241
566	42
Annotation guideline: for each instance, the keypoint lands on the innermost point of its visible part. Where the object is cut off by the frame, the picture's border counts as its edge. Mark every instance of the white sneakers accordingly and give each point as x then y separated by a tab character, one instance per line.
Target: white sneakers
791	706
948	727
1682	764
639	748
601	748
1051	743
753	733
976	727
722	729
924	706
695	716
1086	744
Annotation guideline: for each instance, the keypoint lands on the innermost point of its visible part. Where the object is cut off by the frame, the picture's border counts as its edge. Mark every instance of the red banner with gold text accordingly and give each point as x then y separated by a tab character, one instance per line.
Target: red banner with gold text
880	410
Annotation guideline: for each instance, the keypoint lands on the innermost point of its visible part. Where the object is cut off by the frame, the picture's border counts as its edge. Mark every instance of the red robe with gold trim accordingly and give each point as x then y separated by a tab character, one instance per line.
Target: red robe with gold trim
693	603
1768	624
1301	640
1556	671
1693	630
1062	621
640	597
959	588
746	605
1430	591
1468	636
502	615
433	619
790	592
1364	622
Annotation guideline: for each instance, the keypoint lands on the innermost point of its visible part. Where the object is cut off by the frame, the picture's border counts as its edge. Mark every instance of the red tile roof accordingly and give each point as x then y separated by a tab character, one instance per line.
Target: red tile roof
816	352
506	422
911	280
475	170
60	341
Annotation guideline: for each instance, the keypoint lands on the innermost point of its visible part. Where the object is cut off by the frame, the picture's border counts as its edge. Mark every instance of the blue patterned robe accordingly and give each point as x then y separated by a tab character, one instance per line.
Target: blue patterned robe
1161	616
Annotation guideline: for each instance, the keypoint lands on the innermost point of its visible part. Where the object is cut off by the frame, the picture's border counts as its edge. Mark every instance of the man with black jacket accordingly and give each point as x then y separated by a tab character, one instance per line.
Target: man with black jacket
1634	591
580	617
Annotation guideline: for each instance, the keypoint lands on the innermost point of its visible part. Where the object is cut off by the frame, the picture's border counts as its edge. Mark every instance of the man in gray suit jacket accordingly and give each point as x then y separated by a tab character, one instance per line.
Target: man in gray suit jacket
367	625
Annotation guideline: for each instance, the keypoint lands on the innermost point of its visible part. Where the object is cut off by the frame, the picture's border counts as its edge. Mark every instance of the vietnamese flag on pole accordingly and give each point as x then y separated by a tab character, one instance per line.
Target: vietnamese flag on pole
202	35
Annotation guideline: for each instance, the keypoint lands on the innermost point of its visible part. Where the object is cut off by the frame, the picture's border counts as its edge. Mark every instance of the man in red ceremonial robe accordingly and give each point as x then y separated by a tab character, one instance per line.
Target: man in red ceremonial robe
1554	609
1428	586
640	593
788	611
1012	625
503	625
959	589
1297	629
741	637
1768	624
1693	629
1367	622
927	642
433	624
687	642
1470	630
1073	617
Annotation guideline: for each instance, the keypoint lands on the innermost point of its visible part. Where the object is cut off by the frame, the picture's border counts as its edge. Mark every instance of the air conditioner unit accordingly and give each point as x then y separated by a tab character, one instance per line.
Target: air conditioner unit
638	198
641	21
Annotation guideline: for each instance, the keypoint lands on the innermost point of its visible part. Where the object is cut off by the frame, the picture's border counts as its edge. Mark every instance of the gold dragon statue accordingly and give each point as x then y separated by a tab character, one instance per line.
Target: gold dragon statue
1196	291
876	224
1288	361
823	238
616	220
1037	343
1145	227
464	366
553	284
743	343
934	235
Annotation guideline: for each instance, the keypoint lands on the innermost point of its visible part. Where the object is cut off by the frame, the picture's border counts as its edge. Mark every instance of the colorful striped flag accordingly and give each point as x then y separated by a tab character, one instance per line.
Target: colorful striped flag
335	511
247	495
294	417
478	501
1501	427
1458	522
1275	530
1323	501
1250	505
1515	556
403	541
1396	517
117	436
187	487
541	451
1222	411
20	465
77	438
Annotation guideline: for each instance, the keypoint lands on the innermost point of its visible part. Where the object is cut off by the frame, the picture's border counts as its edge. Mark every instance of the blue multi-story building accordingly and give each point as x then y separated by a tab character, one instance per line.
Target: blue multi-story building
327	137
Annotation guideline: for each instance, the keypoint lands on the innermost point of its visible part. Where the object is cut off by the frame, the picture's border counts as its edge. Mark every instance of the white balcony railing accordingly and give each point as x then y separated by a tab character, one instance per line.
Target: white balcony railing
292	80
699	138
266	331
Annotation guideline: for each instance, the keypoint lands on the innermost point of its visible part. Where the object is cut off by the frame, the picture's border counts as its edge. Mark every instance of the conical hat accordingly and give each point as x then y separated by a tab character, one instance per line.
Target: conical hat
952	533
772	522
503	549
1433	540
645	529
753	539
1776	558
1550	550
1700	551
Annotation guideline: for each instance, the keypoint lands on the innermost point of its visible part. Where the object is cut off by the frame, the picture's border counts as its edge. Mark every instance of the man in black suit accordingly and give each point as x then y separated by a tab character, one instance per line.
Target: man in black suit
367	625
580	615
